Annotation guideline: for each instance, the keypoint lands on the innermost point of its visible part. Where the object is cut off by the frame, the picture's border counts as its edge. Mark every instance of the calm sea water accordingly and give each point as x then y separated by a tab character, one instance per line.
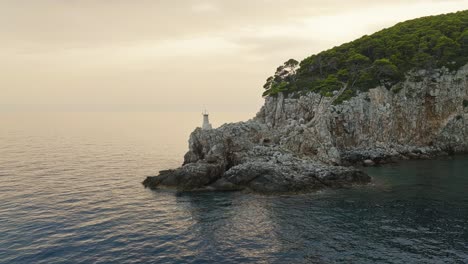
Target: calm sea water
70	192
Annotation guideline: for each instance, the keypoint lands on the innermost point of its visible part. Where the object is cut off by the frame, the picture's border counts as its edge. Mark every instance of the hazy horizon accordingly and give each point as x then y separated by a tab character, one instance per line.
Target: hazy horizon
172	55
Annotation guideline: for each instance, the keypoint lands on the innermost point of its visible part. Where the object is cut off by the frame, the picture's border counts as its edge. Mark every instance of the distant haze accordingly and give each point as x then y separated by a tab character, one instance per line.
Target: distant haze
174	54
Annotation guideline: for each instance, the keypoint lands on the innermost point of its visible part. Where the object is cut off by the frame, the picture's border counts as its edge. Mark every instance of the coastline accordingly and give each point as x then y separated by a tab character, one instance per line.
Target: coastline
303	142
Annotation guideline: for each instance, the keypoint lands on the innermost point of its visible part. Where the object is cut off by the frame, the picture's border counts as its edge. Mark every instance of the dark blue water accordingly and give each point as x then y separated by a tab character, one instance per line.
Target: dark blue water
70	192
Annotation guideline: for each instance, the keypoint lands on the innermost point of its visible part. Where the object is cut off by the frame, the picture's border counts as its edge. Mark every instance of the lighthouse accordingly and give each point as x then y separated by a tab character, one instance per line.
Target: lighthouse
206	122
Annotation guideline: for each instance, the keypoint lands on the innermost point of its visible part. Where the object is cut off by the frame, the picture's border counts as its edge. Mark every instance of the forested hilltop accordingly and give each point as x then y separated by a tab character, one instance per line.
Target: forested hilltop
382	58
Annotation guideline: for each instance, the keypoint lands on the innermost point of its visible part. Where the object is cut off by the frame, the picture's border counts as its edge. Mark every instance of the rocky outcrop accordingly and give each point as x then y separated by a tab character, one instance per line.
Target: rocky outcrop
302	142
248	156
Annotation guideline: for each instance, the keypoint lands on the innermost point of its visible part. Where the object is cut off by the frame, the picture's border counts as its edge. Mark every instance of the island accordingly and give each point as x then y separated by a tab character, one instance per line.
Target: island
400	93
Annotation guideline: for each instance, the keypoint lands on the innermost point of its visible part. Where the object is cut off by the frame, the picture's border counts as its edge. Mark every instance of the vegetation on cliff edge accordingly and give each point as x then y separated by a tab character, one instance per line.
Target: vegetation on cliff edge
382	58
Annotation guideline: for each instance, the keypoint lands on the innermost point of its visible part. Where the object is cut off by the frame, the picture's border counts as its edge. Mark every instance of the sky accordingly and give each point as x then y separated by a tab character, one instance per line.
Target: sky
170	55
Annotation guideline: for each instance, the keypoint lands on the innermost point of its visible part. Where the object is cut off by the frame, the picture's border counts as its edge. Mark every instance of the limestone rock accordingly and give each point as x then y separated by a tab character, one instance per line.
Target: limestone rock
368	163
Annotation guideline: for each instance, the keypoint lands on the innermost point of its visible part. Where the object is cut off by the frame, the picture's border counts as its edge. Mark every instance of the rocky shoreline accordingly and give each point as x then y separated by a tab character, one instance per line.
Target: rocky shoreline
304	142
236	157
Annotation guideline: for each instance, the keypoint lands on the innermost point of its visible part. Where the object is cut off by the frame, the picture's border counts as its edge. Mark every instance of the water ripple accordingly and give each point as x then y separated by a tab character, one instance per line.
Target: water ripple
75	196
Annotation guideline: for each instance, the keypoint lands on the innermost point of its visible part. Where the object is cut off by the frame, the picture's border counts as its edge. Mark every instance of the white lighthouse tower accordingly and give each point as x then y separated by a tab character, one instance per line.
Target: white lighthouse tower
206	122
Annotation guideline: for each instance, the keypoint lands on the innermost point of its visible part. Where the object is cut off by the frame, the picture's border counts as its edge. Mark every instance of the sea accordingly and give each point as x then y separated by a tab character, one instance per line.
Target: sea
71	192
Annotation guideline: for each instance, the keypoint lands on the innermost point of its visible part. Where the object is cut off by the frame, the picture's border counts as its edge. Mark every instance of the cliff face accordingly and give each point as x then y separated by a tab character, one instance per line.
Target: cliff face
427	112
300	143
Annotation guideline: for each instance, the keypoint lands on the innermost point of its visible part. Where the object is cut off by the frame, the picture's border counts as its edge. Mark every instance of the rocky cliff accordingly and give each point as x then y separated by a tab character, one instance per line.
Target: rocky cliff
303	142
425	114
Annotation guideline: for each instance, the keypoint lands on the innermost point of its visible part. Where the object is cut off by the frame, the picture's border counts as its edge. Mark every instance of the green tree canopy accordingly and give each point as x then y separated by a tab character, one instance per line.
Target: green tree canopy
382	58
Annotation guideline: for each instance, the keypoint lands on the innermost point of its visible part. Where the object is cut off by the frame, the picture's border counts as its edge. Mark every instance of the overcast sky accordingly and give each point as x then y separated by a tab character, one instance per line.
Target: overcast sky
173	54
